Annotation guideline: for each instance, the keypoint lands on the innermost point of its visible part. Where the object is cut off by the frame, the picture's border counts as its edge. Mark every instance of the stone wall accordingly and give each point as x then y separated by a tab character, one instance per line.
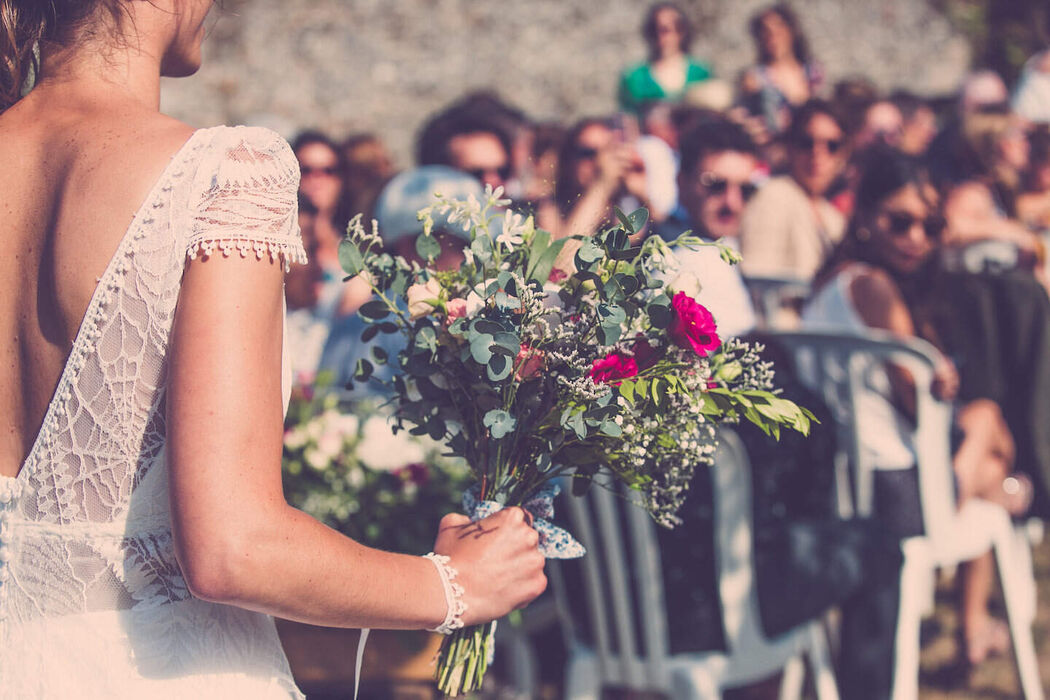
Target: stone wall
384	65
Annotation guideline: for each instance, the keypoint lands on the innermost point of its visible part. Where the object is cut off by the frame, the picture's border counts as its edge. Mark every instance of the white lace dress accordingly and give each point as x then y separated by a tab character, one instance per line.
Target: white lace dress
92	601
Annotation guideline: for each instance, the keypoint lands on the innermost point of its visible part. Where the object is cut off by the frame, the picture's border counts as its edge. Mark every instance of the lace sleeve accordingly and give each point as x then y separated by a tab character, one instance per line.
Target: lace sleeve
247	201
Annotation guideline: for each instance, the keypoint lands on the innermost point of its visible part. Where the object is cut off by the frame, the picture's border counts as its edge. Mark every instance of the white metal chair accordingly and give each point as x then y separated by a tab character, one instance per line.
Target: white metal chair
624	587
772	295
838	366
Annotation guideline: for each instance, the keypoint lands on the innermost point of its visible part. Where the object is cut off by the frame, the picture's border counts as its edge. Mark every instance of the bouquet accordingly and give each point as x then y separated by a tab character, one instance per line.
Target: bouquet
535	374
343	465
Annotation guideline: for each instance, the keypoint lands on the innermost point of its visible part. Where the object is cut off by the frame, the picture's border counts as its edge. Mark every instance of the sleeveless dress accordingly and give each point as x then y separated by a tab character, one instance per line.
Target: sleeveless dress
882	431
92	601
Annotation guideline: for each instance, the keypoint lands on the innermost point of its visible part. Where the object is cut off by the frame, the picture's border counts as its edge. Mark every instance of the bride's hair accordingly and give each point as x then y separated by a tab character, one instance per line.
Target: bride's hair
27	24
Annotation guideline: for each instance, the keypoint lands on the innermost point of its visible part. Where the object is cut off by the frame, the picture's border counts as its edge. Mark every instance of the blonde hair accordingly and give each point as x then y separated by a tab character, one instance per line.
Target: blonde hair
27	25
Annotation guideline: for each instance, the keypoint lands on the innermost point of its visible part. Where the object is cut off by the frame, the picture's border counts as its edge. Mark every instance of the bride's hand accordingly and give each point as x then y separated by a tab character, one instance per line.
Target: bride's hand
499	565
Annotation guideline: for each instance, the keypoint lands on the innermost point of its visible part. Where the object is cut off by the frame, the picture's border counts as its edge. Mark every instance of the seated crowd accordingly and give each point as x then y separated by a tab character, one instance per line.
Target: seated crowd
927	220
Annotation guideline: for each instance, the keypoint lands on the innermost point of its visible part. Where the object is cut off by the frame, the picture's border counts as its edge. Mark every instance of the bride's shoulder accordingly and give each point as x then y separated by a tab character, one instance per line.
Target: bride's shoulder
241	154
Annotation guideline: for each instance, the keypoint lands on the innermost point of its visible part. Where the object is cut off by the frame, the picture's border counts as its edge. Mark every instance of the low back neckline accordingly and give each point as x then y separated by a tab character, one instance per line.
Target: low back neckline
93	313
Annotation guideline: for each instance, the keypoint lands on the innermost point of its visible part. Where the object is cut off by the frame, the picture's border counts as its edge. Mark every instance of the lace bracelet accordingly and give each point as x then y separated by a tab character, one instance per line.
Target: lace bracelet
453	594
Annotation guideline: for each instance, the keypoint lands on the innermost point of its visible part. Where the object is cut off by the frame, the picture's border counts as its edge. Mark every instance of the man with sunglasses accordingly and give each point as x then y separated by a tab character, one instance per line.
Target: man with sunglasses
469	142
790	227
717	176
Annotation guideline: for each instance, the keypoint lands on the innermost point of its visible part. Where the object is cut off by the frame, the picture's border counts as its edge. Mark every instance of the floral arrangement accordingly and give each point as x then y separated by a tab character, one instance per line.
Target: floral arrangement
539	360
344	466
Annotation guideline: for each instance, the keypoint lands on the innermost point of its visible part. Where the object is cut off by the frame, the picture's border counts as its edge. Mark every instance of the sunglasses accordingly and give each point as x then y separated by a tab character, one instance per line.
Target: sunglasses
586	153
330	170
717	186
900	224
808	143
479	173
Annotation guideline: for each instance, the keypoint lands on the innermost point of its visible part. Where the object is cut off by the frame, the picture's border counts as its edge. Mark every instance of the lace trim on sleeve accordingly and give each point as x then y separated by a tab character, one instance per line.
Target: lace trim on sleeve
292	252
249	200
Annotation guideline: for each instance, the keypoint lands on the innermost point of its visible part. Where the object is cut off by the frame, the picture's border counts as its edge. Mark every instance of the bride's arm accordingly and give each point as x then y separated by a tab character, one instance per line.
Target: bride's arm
238	541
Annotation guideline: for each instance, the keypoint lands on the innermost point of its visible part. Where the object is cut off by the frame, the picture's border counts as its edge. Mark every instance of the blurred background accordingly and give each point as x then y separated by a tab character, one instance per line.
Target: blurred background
825	140
382	65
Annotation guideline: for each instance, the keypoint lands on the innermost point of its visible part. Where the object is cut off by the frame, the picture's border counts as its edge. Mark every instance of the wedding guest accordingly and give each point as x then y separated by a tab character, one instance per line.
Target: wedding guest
368	165
472	142
540	173
395	212
669	72
306	325
718	175
322	183
919	125
882	124
1033	202
599	167
982	90
785	76
789	228
1031	98
881	276
511	121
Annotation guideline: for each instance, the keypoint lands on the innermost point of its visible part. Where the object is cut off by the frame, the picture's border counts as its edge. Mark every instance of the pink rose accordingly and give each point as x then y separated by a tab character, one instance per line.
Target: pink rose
455	308
557	275
611	368
693	325
528	363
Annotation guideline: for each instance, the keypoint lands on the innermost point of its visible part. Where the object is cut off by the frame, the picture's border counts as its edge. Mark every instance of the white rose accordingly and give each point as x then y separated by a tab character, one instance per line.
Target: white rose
421	298
296	438
315	459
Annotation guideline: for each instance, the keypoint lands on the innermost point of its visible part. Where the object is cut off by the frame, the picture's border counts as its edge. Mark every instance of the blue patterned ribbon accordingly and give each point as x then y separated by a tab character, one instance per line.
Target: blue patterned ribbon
555	542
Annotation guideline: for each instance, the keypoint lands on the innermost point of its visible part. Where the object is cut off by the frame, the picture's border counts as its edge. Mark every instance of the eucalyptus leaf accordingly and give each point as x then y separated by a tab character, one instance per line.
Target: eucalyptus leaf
374	310
428	247
350	257
499	367
479	348
499	422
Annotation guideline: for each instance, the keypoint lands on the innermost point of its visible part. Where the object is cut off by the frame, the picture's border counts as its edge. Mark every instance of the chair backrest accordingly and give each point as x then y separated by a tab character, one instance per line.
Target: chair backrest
770	296
623	577
840	366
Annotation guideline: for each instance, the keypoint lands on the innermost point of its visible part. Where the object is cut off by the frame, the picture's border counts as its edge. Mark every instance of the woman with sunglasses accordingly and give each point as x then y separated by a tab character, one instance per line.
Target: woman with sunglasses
883	276
322	182
599	167
144	536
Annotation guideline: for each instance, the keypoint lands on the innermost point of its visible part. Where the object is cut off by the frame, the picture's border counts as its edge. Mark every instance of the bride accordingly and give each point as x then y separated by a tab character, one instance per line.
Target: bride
144	538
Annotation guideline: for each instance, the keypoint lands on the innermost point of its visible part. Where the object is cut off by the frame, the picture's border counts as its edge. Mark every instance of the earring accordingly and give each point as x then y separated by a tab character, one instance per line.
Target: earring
863	234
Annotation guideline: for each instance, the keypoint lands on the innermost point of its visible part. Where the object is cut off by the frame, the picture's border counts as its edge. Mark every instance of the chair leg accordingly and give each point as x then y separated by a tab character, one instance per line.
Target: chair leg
1014	593
582	681
1022	556
820	663
914	578
792	678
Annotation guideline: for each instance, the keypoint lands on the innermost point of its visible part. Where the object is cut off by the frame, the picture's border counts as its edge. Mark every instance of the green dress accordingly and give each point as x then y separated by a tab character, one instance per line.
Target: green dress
638	86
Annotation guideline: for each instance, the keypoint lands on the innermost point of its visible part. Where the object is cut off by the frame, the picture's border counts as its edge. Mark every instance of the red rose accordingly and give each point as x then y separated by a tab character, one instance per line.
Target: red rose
645	355
611	368
693	326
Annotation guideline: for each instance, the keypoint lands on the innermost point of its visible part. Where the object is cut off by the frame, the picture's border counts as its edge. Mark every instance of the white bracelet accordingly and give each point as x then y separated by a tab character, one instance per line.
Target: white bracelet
453	594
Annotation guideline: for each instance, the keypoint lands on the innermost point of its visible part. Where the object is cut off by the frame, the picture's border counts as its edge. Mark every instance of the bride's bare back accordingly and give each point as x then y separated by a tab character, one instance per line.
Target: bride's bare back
73	172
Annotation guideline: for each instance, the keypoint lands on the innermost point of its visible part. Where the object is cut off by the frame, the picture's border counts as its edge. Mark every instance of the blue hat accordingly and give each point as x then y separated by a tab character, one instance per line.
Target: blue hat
406	193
